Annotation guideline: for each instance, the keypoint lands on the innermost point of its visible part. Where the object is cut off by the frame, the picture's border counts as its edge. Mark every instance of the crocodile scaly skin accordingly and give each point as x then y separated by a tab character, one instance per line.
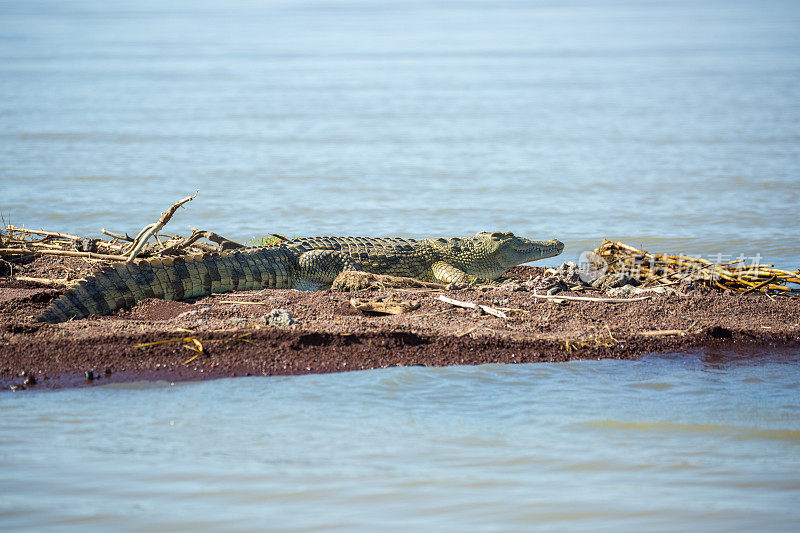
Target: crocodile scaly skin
308	263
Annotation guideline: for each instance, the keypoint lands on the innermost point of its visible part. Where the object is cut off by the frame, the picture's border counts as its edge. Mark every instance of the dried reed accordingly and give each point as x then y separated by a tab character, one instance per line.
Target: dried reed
667	269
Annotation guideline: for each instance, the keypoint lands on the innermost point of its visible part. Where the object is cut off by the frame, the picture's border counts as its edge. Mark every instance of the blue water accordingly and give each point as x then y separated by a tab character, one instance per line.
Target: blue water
674	126
677	442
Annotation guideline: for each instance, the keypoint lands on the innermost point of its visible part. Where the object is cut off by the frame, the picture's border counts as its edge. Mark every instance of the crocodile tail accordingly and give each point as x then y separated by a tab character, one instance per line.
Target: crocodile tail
123	284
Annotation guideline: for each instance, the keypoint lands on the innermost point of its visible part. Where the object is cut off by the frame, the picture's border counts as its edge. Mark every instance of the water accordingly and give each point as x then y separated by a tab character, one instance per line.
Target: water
674	126
676	442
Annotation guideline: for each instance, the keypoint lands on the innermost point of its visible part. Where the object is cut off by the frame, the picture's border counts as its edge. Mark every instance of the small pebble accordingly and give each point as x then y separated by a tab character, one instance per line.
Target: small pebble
279	318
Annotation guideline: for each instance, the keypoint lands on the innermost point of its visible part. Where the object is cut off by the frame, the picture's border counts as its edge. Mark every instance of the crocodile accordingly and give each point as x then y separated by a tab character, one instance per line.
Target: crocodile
308	263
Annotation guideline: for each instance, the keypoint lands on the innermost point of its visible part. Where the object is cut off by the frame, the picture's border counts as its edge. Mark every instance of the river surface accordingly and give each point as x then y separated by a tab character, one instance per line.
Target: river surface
674	125
670	125
679	442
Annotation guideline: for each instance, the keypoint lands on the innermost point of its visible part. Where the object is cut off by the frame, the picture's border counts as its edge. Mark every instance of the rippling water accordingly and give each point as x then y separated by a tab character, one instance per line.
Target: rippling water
671	125
707	441
674	125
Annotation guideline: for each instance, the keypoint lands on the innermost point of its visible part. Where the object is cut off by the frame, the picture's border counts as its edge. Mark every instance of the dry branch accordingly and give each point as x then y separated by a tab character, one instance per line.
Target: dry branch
224	243
117	236
66	253
152	229
663	332
245	302
589	299
42	232
472	305
22	243
45	281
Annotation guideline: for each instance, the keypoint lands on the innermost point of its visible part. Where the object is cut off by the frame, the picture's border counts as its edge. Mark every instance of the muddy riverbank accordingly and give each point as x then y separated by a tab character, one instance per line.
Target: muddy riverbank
232	334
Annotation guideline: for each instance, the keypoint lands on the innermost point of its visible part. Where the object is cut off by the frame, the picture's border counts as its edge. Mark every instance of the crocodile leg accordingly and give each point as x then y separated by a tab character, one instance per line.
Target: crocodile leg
444	272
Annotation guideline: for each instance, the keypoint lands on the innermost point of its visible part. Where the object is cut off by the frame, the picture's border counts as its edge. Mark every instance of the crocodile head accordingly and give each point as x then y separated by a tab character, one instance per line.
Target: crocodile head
508	250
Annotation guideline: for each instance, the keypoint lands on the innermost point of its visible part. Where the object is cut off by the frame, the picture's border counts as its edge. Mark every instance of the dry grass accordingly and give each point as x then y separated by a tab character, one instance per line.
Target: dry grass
666	269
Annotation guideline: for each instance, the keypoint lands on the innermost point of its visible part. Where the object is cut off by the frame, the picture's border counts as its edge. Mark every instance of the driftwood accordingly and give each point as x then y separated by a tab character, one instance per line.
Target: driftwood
664	332
472	305
151	229
180	247
10	228
126	237
18	241
66	253
588	299
45	281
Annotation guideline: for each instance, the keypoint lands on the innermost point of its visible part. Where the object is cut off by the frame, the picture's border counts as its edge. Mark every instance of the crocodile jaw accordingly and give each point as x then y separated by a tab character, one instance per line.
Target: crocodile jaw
518	250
